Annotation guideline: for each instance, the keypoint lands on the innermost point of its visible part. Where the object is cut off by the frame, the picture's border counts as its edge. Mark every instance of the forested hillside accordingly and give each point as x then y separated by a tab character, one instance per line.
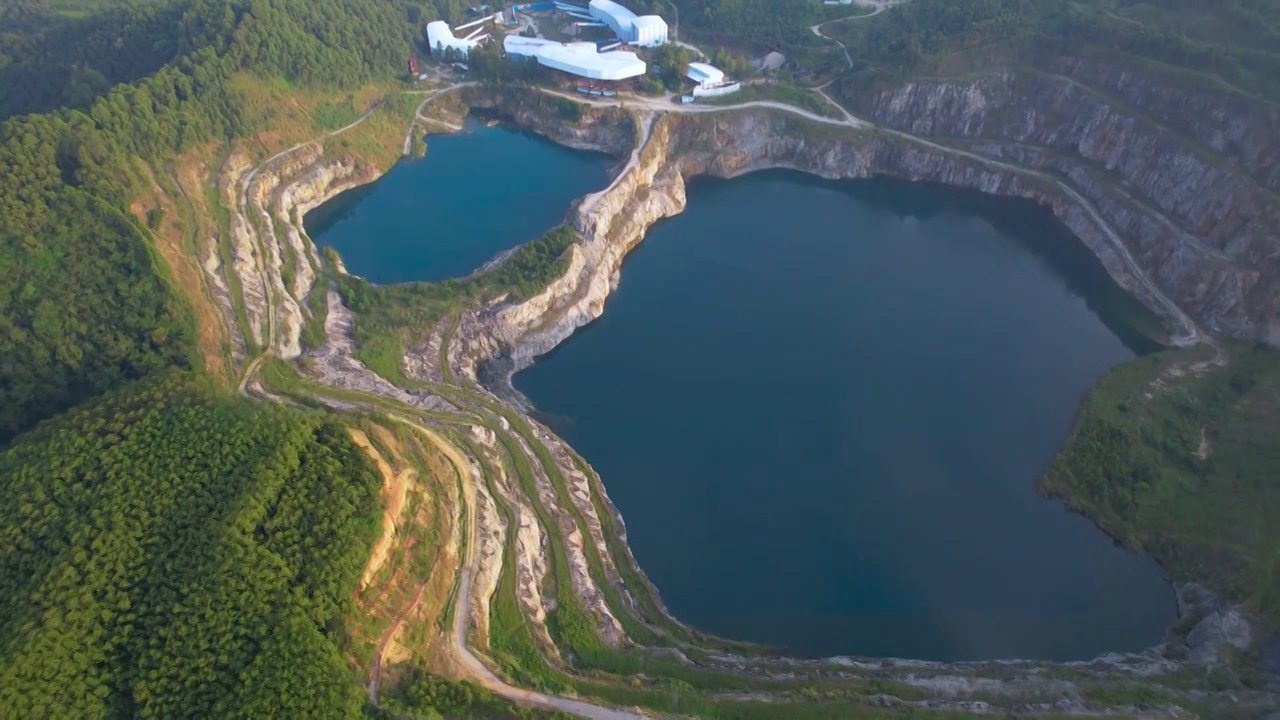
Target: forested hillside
83	303
168	551
54	61
1233	43
761	25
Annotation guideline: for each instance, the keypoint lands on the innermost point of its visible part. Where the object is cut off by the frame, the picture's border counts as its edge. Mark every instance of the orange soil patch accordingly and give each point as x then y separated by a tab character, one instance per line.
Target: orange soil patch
395	492
421	600
170	241
270	138
388	440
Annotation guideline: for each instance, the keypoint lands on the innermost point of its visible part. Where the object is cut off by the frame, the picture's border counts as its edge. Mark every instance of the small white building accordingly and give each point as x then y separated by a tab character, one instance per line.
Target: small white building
710	80
441	38
644	30
705	75
582	59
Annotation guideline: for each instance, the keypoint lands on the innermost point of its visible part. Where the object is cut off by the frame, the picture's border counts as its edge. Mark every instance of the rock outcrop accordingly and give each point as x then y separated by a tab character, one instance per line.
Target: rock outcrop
1149	247
1185	176
1112	179
676	147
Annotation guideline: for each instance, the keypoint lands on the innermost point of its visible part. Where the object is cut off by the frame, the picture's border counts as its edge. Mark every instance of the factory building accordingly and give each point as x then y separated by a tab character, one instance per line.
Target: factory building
441	38
580	59
710	81
643	30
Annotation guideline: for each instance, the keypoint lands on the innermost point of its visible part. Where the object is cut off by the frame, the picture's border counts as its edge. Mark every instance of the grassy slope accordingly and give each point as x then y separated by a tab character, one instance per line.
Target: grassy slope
1183	464
781	92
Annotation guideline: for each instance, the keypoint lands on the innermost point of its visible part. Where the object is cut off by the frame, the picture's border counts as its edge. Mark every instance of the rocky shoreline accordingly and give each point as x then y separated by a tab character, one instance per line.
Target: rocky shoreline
483	346
491	344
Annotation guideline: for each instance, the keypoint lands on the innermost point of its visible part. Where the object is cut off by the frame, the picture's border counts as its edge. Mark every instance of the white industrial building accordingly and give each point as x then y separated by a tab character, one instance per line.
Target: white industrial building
710	80
643	30
441	38
582	59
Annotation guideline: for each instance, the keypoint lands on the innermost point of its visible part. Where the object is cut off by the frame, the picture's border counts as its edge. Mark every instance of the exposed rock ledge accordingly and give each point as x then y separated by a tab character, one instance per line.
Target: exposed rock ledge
667	150
672	148
508	336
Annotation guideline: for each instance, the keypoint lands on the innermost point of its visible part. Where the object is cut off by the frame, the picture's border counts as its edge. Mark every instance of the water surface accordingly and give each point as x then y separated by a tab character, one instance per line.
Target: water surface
475	194
821	409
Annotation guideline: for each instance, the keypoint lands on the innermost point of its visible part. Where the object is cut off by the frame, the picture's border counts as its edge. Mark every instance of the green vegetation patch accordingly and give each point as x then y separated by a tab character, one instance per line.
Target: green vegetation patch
1181	458
84	305
1235	41
426	695
385	314
784	93
172	551
758	26
331	116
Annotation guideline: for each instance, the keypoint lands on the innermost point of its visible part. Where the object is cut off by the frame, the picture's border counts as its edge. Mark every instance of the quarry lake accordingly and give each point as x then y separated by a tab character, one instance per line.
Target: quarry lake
475	194
820	407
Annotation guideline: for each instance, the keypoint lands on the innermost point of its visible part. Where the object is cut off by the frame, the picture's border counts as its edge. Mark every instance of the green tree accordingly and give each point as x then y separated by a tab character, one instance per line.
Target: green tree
170	551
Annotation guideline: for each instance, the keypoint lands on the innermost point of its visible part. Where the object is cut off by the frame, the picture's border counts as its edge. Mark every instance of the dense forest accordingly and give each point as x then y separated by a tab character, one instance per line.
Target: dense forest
83	303
759	25
167	551
1235	41
53	61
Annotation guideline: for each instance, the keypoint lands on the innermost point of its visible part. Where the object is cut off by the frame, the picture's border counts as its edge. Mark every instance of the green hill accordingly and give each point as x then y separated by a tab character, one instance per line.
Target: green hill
83	303
169	551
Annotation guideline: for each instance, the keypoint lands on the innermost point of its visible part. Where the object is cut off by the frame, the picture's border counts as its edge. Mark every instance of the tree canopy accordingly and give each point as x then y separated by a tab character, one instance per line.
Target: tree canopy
167	551
1238	41
84	305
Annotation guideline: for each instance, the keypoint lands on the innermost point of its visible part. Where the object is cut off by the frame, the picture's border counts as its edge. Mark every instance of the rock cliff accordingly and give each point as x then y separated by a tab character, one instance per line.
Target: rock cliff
1118	201
1186	175
676	147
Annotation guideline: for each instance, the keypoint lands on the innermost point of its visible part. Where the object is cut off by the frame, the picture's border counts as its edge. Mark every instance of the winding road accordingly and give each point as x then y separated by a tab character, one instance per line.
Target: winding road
473	666
481	673
879	7
666	104
417	114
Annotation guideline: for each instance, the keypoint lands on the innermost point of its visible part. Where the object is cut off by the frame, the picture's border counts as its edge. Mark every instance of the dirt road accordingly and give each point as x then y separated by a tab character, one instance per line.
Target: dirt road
479	672
879	7
417	114
483	675
665	104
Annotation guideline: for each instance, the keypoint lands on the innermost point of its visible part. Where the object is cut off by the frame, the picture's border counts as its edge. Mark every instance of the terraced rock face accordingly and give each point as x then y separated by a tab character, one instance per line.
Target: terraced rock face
547	543
1187	177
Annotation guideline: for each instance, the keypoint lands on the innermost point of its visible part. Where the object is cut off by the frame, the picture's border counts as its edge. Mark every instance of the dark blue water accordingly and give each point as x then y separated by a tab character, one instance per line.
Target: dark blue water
475	194
821	409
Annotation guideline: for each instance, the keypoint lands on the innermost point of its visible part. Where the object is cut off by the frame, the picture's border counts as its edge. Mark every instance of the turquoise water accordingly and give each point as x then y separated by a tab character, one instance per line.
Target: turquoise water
821	409
475	194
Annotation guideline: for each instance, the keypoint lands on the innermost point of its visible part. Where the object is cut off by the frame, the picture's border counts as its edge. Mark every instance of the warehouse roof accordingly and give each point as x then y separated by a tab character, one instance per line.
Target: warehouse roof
439	35
704	74
578	58
613	9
